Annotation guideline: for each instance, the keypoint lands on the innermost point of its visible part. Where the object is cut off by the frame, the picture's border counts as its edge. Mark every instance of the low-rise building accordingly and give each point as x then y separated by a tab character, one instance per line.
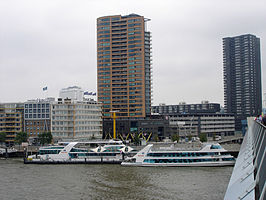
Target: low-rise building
165	126
156	125
183	108
195	124
11	120
76	120
194	119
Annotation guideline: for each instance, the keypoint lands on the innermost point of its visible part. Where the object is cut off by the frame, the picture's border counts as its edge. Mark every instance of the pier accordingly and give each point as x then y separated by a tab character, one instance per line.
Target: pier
248	178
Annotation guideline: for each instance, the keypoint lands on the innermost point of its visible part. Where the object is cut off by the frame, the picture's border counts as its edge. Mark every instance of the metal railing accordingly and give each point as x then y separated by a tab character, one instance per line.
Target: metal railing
249	174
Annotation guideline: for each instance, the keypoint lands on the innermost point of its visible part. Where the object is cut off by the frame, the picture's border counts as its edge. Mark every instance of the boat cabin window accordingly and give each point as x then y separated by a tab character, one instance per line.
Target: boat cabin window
215	146
179	160
185	154
228	159
43	152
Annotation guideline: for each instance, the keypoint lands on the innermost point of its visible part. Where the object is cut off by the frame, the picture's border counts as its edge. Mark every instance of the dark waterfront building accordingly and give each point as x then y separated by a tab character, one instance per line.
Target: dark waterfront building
155	124
124	65
164	126
182	108
242	77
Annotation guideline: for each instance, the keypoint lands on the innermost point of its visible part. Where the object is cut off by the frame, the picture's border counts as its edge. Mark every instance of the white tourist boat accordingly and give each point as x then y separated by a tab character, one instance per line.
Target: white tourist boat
7	150
209	155
70	152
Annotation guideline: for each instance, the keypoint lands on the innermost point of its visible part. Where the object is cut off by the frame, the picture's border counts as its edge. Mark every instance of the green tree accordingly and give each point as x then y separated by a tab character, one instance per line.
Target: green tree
175	137
45	138
21	137
189	137
203	137
2	137
213	136
93	137
156	138
136	139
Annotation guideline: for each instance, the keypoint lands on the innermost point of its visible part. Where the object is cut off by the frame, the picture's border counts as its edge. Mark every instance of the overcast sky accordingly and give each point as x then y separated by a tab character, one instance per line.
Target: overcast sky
53	43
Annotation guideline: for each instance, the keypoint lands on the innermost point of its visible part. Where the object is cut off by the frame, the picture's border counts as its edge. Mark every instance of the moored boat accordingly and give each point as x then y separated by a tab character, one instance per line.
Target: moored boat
210	155
70	152
7	151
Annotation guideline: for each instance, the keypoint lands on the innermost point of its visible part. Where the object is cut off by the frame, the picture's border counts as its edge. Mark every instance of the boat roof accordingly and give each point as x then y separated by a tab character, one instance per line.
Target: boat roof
206	147
95	142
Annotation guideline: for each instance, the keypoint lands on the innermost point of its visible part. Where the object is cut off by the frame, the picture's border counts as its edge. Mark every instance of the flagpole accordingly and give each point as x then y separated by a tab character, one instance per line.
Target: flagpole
45	90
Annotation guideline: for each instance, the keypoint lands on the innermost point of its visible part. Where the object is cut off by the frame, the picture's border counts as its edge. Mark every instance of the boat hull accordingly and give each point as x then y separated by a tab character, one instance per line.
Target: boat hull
74	161
213	164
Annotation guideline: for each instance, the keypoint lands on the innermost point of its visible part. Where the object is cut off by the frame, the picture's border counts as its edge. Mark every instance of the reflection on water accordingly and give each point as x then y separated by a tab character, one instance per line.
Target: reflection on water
19	181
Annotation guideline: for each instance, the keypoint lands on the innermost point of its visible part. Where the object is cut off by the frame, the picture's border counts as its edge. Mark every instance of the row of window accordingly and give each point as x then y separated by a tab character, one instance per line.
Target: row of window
36	116
120	24
184	154
37	110
37	123
47	105
184	160
36	128
114	19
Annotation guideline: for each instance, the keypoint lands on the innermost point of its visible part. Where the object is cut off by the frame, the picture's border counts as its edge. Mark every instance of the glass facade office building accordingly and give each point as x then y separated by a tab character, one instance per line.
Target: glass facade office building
37	116
37	110
124	65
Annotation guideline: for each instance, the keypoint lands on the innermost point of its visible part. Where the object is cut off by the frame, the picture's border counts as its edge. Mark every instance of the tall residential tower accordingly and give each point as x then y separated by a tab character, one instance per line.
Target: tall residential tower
242	77
124	65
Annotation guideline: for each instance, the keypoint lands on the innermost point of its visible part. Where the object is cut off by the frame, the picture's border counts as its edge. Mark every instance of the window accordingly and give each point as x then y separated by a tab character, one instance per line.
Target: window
115	18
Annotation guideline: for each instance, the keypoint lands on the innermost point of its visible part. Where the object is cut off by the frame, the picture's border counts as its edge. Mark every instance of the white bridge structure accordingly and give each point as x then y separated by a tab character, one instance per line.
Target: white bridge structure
248	178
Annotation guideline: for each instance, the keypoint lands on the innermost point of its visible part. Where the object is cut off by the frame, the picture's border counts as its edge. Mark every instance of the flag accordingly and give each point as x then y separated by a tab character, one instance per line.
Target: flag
45	88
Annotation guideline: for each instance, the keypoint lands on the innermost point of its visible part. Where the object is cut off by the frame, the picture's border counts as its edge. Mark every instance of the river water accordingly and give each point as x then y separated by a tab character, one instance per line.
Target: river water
63	182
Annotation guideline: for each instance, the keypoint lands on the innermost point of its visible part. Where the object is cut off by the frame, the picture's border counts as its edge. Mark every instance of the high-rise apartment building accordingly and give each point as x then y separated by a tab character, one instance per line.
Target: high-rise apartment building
124	65
242	77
